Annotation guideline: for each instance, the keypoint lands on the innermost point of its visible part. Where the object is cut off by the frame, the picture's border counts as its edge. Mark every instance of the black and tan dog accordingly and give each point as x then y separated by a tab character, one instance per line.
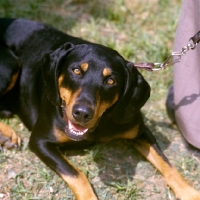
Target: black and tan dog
71	93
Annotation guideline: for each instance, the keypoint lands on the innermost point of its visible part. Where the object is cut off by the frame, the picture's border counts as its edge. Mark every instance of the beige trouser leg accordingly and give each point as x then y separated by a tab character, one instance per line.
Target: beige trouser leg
187	75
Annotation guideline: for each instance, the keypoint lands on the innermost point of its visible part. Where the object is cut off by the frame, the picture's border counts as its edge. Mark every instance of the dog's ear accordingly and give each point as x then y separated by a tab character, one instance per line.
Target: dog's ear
135	94
51	67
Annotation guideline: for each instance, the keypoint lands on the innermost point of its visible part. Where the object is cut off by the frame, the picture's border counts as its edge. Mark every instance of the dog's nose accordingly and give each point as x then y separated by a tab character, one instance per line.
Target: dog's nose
82	113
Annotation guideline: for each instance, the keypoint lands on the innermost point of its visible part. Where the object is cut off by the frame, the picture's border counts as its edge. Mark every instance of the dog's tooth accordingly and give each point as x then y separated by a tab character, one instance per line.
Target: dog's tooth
85	130
78	133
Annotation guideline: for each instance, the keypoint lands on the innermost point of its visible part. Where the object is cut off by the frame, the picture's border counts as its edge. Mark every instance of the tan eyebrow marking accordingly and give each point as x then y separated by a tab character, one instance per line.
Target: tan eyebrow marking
84	66
106	72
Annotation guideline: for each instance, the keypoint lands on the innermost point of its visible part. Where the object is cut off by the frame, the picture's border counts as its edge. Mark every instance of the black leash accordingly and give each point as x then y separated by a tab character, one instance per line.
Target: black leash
173	58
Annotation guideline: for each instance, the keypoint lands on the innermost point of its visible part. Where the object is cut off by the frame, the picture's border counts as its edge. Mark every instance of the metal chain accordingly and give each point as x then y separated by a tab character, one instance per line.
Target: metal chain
173	58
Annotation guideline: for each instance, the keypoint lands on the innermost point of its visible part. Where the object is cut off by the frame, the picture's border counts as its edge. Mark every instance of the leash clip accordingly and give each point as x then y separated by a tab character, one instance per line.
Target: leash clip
175	57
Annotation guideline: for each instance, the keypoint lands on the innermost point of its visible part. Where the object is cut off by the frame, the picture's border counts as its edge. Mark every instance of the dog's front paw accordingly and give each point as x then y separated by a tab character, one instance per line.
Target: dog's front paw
8	138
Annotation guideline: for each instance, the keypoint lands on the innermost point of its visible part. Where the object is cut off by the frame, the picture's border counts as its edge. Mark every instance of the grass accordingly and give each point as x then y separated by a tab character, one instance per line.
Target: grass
140	31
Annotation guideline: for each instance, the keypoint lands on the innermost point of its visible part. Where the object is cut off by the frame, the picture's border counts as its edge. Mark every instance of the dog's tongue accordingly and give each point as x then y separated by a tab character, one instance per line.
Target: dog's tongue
76	127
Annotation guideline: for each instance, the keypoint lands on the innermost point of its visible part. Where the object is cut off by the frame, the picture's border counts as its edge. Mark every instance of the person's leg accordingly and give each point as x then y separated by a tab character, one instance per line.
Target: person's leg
187	75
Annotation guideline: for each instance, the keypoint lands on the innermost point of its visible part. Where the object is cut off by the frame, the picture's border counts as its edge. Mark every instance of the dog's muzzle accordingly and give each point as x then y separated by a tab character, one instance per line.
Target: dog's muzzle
76	130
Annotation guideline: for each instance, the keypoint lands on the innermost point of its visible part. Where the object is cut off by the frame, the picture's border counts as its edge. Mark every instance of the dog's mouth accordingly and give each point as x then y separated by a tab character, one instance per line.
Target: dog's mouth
74	130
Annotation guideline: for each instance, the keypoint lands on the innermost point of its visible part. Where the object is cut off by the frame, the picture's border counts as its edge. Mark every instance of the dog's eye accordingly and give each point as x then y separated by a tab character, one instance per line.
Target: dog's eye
110	81
77	71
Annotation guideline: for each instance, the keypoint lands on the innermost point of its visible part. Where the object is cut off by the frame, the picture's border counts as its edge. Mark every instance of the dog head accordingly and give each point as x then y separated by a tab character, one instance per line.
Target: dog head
89	79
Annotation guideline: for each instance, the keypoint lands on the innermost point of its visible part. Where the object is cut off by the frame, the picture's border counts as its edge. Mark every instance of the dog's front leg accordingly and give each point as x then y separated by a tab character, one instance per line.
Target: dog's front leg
147	146
50	154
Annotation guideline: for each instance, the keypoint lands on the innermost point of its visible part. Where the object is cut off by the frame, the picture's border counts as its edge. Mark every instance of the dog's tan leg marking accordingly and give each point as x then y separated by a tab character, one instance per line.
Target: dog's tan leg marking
176	182
8	137
79	185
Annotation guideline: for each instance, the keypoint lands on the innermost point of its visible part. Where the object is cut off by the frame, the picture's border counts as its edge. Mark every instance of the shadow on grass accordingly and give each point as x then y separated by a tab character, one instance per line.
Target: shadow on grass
160	135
